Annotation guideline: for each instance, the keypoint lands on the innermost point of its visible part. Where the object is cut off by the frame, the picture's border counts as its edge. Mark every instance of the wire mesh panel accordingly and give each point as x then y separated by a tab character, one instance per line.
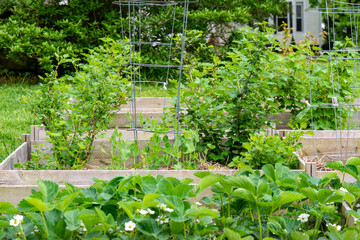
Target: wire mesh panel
334	84
150	27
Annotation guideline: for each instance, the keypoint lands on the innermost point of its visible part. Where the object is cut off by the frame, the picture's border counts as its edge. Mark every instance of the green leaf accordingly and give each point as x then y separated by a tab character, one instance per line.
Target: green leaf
127	209
176	227
48	189
262	188
269	172
148	184
327	196
64	204
287	197
295	235
165	187
38	204
208	181
309	193
175	203
353	161
4	223
232	234
7	208
149	227
351	170
148	200
182	190
334	165
242	182
202	212
350	234
71	219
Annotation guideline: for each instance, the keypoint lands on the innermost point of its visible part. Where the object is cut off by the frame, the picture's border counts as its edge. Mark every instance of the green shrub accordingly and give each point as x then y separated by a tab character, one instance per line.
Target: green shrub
75	108
265	149
229	100
39	30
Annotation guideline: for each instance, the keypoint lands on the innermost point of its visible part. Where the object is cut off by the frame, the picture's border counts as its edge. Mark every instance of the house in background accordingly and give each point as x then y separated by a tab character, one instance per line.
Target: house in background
302	19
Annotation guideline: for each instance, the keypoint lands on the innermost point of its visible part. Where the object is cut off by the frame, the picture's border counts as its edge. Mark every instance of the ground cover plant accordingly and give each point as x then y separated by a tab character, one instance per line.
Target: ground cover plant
280	204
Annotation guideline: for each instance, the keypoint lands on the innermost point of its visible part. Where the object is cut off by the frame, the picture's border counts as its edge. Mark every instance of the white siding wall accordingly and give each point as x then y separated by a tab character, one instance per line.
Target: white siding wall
311	21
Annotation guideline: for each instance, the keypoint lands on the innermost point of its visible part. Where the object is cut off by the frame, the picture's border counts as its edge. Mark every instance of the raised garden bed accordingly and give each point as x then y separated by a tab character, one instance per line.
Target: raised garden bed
16	184
324	146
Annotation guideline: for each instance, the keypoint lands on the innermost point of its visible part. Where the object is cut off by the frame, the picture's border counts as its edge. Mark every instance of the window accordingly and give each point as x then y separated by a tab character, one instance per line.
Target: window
280	21
299	17
284	19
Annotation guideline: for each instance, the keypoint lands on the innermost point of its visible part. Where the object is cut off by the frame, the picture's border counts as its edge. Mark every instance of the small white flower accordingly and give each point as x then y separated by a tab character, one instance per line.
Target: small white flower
82	229
20	218
168	209
165	86
36	229
198	203
162	206
130	226
196	220
304	217
357	205
64	2
111	230
337	227
143	212
161	219
14	222
343	189
151	212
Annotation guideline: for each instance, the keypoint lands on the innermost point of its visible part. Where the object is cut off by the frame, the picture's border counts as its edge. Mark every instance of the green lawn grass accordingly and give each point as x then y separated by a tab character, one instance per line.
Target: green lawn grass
15	117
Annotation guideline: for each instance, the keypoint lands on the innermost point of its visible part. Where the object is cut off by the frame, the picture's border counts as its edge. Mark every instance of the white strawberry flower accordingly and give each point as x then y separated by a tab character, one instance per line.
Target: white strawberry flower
130	226
161	219
162	206
17	219
343	189
14	222
143	212
20	218
151	212
198	203
168	209
304	217
337	227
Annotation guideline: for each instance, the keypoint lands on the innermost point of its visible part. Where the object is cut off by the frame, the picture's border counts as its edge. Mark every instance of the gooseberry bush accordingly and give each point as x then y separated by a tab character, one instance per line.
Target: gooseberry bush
74	109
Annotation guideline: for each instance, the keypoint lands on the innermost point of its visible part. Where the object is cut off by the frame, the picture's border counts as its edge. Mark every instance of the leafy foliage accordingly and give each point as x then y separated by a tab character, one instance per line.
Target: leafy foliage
262	150
246	205
74	109
39	29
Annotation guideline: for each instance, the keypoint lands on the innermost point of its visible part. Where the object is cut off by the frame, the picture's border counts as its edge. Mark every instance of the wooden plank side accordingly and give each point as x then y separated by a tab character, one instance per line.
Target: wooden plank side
85	177
18	156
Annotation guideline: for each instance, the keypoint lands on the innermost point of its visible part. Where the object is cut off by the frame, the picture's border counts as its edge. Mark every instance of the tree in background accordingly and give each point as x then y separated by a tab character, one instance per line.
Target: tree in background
38	29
